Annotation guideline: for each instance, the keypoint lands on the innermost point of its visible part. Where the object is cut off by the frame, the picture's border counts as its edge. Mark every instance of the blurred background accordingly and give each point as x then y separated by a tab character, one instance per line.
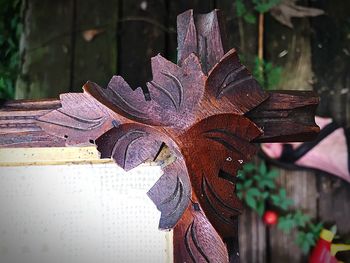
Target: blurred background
52	47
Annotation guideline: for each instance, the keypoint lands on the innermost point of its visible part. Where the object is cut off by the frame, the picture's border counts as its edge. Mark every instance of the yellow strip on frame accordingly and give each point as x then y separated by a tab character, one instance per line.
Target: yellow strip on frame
50	156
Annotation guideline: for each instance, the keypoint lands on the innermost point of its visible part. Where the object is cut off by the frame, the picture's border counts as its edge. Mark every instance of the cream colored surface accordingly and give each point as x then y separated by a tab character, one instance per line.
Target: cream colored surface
49	156
91	212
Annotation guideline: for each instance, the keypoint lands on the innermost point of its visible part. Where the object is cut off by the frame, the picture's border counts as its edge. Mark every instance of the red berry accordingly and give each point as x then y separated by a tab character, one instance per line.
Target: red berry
270	218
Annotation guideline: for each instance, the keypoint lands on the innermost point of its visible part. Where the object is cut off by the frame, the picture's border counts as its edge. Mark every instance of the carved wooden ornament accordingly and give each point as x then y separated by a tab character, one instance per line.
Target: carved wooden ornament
208	109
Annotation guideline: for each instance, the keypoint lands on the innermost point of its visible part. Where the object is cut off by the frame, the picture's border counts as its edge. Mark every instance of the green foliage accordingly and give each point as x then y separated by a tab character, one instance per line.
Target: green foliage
267	74
261	6
307	239
10	30
293	220
253	185
242	11
256	186
280	199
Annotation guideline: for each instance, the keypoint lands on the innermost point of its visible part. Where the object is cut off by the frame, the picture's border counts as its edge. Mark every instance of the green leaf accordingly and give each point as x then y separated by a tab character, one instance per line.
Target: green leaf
258	71
315	229
249	18
263	6
240	175
286	223
273	78
251	202
248	183
249	167
266	74
266	183
260	208
305	241
272	174
240	8
264	195
281	200
301	219
253	192
262	168
275	199
256	178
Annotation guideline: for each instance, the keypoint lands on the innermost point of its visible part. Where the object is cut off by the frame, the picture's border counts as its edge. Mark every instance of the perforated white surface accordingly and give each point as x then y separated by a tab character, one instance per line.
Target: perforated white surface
80	213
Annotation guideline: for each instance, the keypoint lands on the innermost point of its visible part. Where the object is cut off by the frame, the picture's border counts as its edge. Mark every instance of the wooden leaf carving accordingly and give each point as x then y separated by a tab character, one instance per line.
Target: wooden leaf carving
174	92
120	98
231	80
201	35
196	240
79	120
215	149
171	194
129	145
201	108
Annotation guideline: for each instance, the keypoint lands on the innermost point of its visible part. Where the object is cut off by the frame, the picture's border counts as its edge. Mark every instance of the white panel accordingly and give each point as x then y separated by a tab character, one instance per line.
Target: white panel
80	213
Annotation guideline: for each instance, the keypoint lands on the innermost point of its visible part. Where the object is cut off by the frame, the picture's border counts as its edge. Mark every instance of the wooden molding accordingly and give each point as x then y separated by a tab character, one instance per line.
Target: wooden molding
209	111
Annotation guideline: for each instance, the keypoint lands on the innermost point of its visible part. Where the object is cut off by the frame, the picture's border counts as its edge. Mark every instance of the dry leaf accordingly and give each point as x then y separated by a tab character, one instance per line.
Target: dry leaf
287	9
90	34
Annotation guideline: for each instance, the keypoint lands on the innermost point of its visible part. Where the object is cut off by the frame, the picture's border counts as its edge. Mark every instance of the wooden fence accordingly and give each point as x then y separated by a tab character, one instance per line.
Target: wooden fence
58	55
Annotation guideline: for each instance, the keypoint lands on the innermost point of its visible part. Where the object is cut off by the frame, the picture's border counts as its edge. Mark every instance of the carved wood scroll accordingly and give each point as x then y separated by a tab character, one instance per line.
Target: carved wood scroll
208	109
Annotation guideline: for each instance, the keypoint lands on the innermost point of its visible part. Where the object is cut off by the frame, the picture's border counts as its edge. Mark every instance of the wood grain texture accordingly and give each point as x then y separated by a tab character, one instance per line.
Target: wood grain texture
202	109
300	187
253	243
45	49
288	109
172	194
141	36
195	240
297	74
101	62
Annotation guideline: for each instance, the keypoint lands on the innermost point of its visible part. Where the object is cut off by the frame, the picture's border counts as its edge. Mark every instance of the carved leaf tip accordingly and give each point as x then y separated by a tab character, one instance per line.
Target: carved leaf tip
128	145
171	194
229	78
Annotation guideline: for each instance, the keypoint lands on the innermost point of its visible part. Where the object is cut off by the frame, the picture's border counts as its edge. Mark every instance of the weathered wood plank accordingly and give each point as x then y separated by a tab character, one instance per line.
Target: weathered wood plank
252	238
241	35
95	59
45	49
231	23
331	59
141	36
297	74
301	187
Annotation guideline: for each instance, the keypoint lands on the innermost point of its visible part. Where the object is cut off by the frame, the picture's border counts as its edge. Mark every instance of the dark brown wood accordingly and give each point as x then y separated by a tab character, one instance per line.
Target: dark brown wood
204	109
290	110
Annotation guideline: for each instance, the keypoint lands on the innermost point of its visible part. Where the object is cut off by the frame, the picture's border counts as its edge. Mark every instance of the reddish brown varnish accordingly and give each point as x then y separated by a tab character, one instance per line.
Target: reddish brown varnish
208	109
